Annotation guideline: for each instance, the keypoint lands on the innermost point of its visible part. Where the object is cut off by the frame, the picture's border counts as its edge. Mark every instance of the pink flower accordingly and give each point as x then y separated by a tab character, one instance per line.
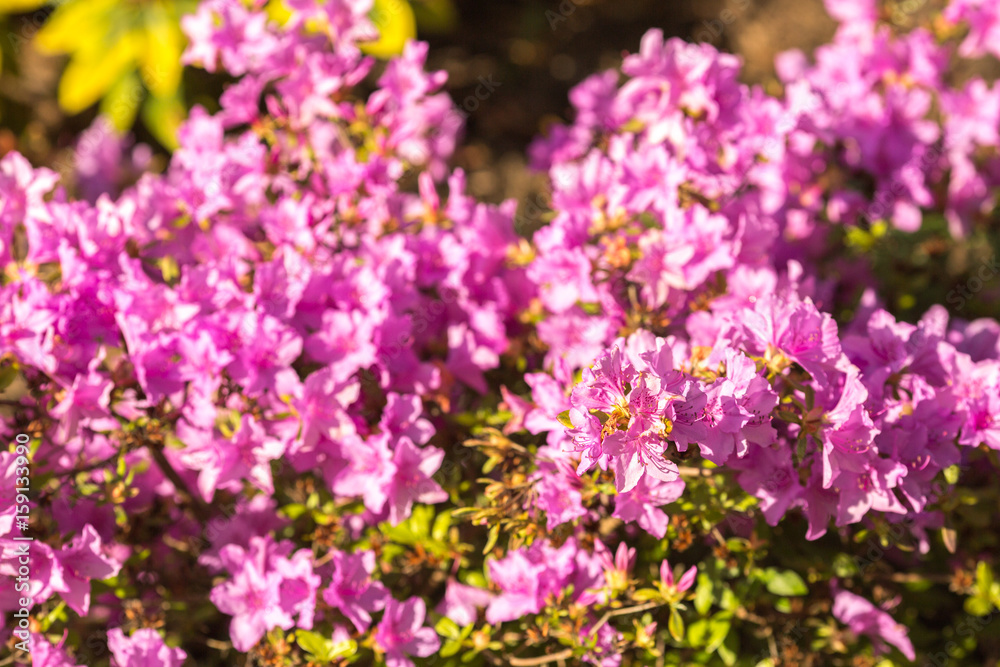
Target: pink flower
352	590
642	504
44	654
81	561
558	498
144	648
682	584
252	597
564	277
401	633
862	617
519	582
461	602
413	482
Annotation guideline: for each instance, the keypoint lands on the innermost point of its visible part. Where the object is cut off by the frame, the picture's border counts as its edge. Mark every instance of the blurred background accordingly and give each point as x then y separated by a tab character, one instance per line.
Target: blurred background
123	56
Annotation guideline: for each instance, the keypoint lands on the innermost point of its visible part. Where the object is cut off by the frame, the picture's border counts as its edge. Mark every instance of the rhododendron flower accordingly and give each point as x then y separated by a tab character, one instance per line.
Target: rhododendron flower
519	582
685	582
80	561
401	633
44	654
642	504
145	648
461	602
352	590
862	617
617	570
253	598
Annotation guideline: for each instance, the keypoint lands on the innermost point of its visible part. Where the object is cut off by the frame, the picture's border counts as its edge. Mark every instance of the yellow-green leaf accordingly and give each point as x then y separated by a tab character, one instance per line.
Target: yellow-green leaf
161	59
19	6
163	116
121	104
448	628
676	625
77	25
90	74
787	583
396	25
7	376
646	594
491	539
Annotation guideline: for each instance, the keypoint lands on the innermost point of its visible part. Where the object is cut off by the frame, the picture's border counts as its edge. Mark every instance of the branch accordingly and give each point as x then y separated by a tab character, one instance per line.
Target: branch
568	653
623	612
199	506
542	659
688	471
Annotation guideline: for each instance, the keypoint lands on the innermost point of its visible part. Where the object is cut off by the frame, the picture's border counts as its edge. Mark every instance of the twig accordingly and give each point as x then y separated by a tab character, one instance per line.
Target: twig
688	471
622	612
745	615
199	506
910	577
542	659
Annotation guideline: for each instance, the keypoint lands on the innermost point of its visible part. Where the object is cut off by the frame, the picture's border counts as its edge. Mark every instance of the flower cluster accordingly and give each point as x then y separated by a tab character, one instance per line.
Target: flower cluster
303	319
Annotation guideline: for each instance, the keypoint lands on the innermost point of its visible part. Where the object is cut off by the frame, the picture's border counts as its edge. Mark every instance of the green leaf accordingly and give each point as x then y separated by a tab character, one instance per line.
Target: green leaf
843	566
477	579
441	525
978	606
7	376
703	594
341	649
646	594
450	648
448	628
312	642
676	625
786	583
951	474
984	578
294	510
491	539
726	653
563	418
698	632
729	601
323	649
718	630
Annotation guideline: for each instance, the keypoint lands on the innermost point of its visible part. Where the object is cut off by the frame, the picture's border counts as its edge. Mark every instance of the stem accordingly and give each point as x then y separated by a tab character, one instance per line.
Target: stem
688	471
542	659
622	612
199	506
